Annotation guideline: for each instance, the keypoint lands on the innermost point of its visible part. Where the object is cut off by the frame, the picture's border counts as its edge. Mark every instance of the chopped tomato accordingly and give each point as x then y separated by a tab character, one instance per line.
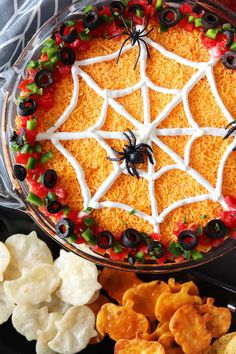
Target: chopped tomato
58	39
155	236
23	158
180	259
40	190
162	259
183	23
31	136
118	256
230	201
98	249
143	3
232	234
179	228
32	73
23	85
62	195
99	31
104	10
44	57
186	9
138	20
79	26
208	42
150	10
64	70
46	101
229	218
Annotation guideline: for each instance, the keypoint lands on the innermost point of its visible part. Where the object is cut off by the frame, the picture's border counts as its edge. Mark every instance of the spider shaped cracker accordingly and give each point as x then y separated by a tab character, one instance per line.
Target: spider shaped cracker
134	35
133	154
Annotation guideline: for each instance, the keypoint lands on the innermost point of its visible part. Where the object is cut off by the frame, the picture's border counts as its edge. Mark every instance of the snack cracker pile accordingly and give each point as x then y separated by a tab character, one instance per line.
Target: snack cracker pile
159	317
49	300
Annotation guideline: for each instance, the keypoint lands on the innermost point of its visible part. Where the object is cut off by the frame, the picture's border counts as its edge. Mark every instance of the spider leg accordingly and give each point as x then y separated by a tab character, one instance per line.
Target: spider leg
147	23
125	24
229	133
139	52
149	157
128	168
117	152
144	145
117	35
128	138
144	35
134	170
132	135
231	123
145	46
115	158
121	49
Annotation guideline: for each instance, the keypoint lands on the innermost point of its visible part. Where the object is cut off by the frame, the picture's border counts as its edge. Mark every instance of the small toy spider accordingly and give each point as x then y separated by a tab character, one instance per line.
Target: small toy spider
133	154
134	36
230	131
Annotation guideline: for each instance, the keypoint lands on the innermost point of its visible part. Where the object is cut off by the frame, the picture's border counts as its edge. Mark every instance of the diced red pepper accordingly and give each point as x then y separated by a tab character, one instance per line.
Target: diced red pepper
23	85
230	201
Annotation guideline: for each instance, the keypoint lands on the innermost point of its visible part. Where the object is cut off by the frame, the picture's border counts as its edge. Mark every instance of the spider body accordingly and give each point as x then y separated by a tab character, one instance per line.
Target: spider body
135	36
133	154
230	131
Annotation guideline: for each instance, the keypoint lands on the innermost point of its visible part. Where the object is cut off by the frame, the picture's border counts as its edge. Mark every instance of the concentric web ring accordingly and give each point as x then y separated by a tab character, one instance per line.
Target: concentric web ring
147	132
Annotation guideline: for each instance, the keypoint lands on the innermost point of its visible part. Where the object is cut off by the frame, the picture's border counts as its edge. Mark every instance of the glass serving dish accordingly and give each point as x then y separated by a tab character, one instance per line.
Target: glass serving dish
13	193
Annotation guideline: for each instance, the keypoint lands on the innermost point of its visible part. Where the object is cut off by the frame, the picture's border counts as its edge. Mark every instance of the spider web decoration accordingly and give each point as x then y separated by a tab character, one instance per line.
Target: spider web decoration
147	132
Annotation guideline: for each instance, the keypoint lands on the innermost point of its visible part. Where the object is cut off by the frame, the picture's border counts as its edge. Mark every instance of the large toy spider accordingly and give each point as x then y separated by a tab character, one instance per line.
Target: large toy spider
134	36
230	131
133	154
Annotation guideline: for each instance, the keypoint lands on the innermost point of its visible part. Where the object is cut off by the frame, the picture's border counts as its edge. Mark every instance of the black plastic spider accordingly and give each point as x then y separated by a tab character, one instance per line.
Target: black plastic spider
133	154
230	131
134	36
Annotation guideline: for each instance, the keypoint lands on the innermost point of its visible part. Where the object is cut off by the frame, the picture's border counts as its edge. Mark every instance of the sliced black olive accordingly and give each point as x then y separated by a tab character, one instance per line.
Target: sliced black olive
91	19
216	229
210	20
156	249
64	227
27	107
188	240
230	37
117	8
20	172
13	137
67	56
43	78
229	60
131	238
134	7
169	16
68	38
105	239
49	179
131	260
54	207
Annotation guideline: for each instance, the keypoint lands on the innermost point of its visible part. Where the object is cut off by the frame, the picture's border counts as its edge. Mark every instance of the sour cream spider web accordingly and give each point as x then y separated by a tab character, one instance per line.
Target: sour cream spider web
146	132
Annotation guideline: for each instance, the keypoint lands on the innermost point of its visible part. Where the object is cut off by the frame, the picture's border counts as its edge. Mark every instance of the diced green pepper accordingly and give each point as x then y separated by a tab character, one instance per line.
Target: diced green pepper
89	222
175	249
48	65
49	43
163	28
226	26
51	197
89	236
70	23
131	212
31	124
212	33
34	199
40	179
25	148
66	210
37	147
87	209
198	22
35	89
233	46
159	5
140	256
51	52
88	8
47	156
32	64
139	13
84	36
191	19
196	255
117	247
54	59
72	238
31	163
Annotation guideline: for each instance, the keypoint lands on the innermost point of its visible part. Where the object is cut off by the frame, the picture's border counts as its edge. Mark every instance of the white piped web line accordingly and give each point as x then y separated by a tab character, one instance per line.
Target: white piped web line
145	133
